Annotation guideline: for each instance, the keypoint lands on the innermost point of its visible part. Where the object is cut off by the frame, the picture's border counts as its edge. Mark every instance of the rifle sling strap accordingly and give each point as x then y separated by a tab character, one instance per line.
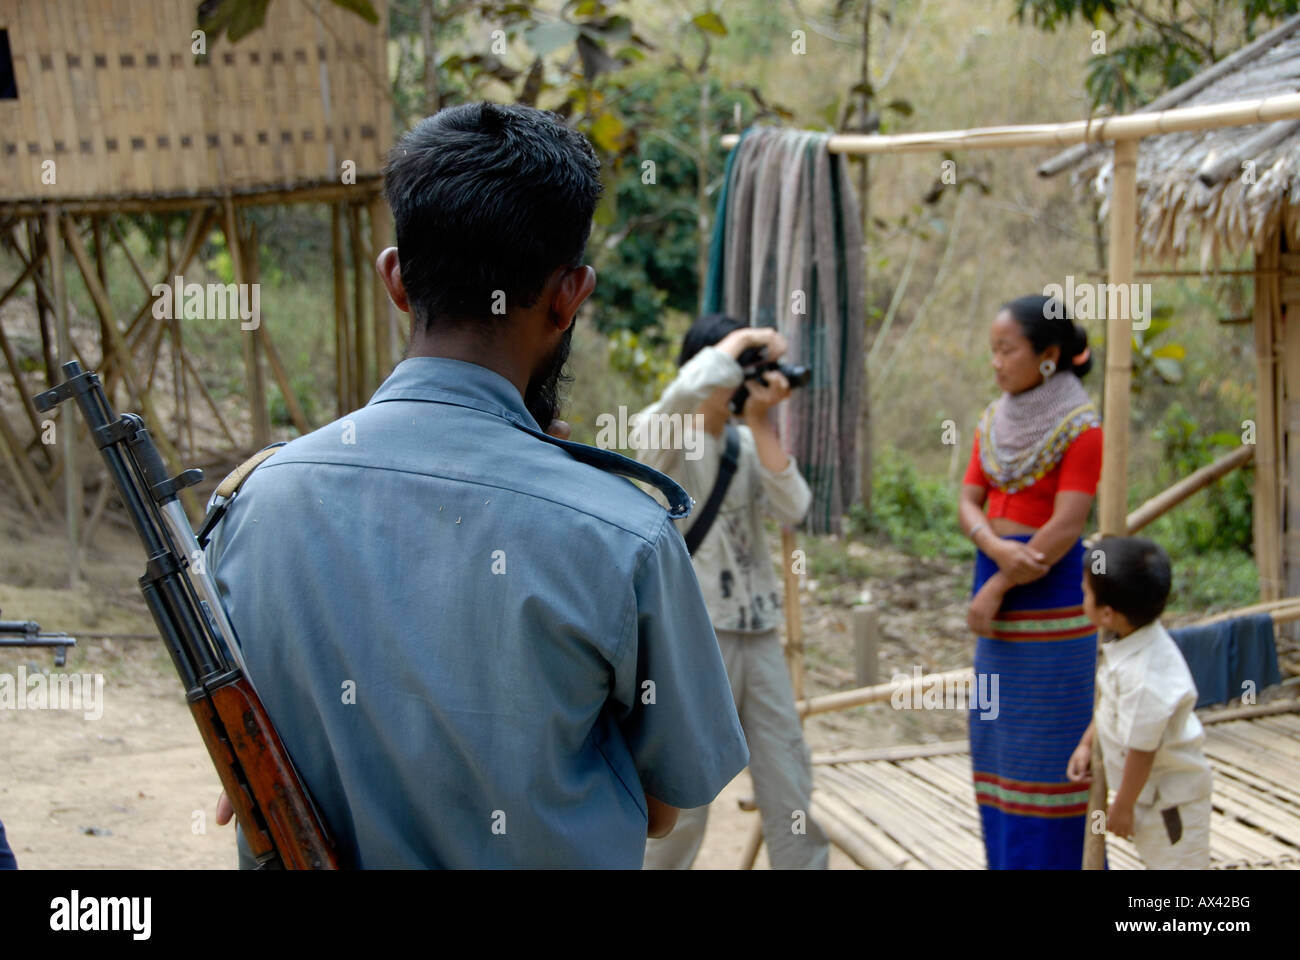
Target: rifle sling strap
228	487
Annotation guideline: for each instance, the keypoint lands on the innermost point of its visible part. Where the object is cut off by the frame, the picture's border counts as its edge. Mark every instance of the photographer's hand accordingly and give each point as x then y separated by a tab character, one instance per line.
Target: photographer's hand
740	340
758	405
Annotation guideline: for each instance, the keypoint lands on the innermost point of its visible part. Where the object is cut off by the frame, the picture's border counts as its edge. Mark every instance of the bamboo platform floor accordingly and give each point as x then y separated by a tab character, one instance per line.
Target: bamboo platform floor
913	807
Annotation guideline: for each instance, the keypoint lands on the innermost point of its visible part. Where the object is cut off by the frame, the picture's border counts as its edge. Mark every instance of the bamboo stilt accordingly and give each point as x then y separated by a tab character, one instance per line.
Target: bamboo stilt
68	433
252	367
362	386
341	362
207	396
381	230
1265	521
1114	476
133	383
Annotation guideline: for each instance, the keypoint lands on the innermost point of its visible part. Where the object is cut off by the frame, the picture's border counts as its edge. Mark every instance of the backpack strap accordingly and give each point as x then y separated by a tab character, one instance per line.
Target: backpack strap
726	470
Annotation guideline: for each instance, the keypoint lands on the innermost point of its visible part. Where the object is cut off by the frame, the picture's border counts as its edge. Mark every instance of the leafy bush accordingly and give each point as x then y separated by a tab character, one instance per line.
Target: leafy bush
917	514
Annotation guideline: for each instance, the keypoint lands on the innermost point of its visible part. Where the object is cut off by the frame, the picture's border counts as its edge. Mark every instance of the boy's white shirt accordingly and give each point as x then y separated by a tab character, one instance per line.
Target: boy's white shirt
1148	701
736	542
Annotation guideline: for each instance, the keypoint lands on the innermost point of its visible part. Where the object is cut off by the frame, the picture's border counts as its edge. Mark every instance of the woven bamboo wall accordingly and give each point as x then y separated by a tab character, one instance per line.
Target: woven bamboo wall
110	91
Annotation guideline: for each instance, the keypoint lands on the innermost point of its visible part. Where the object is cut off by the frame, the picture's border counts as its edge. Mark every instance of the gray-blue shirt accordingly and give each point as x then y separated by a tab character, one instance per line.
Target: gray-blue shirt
479	650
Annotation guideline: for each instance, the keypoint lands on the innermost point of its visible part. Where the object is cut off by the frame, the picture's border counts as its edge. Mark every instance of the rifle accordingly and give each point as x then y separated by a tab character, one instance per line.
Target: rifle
279	820
28	633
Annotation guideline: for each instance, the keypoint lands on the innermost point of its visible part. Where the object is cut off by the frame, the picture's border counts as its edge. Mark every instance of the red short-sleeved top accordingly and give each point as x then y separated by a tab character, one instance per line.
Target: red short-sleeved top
1079	469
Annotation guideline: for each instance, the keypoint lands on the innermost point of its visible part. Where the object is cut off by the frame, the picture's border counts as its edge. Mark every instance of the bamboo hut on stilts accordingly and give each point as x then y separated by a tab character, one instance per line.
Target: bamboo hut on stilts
126	107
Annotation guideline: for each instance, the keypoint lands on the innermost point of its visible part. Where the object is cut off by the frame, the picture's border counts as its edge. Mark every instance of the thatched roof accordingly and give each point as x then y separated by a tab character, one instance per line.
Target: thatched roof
1233	187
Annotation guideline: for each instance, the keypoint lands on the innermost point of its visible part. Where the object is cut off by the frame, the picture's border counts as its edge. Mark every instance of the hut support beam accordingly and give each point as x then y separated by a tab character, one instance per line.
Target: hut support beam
1114	476
361	385
341	348
133	383
68	433
1266	520
381	229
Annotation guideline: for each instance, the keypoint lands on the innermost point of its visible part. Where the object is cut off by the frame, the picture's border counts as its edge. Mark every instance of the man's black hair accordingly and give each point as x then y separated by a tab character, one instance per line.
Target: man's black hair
705	332
488	197
1131	575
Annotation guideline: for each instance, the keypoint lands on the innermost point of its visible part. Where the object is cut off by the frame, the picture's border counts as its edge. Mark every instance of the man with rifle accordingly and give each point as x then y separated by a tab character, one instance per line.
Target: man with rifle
481	645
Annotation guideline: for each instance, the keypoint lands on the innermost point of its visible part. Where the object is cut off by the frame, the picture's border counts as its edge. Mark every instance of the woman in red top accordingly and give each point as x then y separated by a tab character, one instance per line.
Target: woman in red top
1035	466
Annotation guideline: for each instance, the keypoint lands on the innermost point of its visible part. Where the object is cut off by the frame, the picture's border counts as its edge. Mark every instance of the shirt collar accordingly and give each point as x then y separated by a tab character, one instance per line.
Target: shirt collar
1119	650
443	380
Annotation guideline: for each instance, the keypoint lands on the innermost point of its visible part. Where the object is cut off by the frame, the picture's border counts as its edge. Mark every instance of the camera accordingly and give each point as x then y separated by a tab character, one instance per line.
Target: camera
755	365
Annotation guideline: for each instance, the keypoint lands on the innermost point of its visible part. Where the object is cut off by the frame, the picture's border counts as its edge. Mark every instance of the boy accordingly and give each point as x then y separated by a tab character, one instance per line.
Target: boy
1151	740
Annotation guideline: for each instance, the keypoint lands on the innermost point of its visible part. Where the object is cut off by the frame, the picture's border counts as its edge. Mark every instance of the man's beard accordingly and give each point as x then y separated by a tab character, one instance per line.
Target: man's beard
543	395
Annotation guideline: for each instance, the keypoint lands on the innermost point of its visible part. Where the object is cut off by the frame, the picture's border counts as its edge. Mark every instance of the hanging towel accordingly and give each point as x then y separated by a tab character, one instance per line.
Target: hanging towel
787	252
1224	656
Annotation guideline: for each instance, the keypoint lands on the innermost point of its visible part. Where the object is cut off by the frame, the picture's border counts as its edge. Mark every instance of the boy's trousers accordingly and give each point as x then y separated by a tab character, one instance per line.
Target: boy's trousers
1151	835
779	763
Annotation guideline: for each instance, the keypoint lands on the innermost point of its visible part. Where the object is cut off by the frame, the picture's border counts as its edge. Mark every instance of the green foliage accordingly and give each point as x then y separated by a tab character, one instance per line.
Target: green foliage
645	254
1156	362
1153	45
917	514
1216	519
1218	580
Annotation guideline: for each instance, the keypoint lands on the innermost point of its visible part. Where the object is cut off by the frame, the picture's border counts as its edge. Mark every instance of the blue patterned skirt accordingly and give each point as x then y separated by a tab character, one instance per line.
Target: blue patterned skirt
1043	654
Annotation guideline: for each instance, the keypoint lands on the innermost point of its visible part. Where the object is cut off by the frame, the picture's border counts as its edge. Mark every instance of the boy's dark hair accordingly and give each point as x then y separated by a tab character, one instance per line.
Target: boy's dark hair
1131	575
705	332
488	197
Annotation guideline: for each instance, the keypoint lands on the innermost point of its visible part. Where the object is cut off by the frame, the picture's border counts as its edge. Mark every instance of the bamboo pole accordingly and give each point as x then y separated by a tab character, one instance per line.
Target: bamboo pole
1169	498
13	457
15	371
1133	126
1114	474
252	365
343	388
129	373
68	433
361	383
1266	517
381	229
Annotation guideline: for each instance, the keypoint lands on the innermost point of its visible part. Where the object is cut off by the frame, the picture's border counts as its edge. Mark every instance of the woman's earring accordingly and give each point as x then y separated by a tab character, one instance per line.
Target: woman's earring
1047	368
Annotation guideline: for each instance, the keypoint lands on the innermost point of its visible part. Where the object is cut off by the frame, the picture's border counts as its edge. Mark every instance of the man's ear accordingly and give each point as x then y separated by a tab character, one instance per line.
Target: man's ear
573	288
390	270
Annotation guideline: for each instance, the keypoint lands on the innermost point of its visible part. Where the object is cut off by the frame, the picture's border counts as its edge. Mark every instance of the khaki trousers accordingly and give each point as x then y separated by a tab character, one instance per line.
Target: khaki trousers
1151	836
779	763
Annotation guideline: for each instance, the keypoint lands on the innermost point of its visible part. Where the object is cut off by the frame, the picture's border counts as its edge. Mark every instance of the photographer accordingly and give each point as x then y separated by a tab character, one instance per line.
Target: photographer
736	574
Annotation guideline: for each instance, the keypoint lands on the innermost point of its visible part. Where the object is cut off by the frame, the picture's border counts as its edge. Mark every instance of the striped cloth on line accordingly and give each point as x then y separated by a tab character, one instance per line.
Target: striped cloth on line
787	252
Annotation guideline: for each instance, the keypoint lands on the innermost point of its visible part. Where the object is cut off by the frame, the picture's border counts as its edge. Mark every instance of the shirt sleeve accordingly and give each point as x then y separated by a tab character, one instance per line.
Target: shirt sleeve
785	492
975	472
681	729
705	372
1145	716
1081	465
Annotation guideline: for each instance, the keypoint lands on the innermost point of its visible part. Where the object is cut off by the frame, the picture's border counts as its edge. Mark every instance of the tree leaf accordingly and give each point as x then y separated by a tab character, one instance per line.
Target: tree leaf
607	132
710	22
1175	351
361	8
900	106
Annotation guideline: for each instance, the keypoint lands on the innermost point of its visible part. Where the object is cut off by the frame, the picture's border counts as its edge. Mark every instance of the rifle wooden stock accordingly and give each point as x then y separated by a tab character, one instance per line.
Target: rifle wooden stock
271	803
274	809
